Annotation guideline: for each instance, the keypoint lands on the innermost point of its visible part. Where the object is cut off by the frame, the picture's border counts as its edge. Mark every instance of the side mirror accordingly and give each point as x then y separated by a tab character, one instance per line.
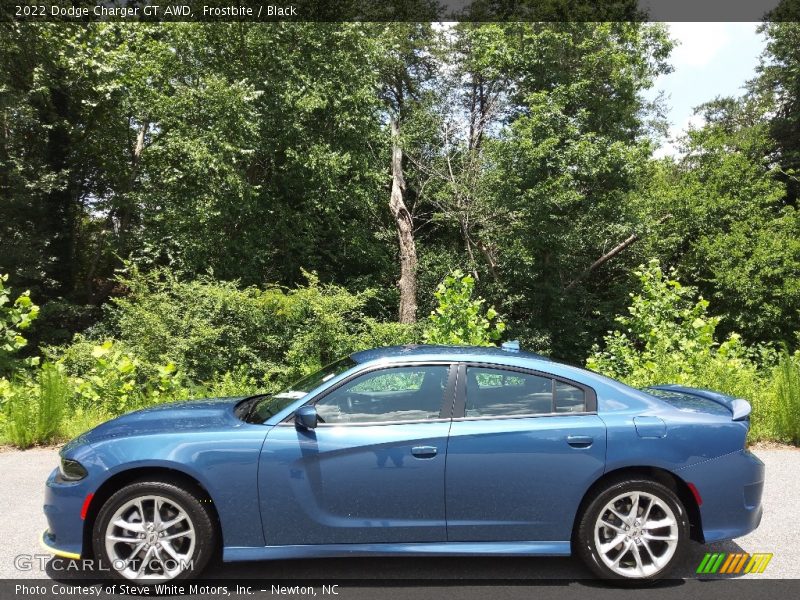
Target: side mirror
306	417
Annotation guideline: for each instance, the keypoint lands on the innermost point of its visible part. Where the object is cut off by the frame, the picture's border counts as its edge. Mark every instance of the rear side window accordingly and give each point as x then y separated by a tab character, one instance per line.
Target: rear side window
497	393
569	398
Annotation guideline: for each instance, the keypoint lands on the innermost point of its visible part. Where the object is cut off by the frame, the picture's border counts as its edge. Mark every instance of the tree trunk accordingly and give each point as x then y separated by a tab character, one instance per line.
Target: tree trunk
405	232
60	219
125	211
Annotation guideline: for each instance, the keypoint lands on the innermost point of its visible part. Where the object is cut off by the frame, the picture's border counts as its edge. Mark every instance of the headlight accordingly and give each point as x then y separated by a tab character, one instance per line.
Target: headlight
71	470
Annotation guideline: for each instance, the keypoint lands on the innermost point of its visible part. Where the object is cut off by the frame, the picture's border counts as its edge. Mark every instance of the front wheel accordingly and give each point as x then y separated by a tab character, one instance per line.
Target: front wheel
633	530
153	530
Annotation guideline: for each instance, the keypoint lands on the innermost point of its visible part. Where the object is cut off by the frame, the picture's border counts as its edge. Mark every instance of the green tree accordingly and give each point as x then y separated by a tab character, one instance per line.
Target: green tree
459	319
778	81
15	317
730	231
666	337
563	170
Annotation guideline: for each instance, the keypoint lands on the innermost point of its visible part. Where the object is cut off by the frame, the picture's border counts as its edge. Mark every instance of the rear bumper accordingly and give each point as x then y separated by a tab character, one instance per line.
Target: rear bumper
730	487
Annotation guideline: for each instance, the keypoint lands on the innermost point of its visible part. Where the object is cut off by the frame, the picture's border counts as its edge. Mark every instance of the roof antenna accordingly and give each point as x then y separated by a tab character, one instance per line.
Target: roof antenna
512	346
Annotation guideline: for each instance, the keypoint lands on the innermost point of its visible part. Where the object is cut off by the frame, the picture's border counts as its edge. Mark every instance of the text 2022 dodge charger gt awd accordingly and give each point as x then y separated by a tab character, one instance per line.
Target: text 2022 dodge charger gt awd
416	450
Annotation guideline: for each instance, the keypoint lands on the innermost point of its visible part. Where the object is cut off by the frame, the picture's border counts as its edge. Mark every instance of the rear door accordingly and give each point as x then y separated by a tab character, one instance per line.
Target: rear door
373	469
524	447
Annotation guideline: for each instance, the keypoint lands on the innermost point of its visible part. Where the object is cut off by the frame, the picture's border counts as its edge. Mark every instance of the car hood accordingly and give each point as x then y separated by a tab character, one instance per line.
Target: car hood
191	415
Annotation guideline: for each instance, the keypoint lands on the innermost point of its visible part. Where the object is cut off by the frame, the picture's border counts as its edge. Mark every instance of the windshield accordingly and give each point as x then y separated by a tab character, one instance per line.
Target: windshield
266	407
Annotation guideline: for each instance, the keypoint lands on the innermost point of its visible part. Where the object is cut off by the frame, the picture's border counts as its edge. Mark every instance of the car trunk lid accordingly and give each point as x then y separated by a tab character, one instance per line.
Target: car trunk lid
700	400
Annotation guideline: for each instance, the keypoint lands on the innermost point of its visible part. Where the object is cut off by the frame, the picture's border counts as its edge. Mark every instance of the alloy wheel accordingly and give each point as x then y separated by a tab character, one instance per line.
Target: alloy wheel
636	534
150	537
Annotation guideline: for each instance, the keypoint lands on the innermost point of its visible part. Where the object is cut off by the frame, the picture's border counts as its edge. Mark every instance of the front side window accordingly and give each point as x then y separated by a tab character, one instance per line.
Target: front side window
500	393
398	394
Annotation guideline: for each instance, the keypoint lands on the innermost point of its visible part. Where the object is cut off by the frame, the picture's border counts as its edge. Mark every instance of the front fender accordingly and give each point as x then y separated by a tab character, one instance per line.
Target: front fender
224	463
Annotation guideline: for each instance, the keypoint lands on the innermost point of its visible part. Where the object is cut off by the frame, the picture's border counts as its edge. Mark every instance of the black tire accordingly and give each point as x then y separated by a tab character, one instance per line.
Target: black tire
192	502
586	543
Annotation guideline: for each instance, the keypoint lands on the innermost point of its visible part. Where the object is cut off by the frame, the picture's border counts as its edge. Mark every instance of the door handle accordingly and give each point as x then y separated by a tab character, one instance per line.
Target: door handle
580	441
424	451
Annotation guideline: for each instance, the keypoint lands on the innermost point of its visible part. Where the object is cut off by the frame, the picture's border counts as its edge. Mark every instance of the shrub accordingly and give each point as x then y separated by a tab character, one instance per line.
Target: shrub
206	327
378	333
458	319
14	318
232	383
668	337
114	382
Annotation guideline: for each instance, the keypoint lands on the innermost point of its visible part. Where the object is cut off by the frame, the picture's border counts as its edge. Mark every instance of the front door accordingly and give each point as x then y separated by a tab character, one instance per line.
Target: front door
373	469
523	449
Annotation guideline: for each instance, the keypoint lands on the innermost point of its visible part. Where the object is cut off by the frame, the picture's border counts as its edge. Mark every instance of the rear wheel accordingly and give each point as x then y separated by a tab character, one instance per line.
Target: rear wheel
633	530
154	530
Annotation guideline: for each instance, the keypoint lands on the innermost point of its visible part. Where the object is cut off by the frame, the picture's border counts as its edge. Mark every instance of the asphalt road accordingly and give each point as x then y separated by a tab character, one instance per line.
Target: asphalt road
22	521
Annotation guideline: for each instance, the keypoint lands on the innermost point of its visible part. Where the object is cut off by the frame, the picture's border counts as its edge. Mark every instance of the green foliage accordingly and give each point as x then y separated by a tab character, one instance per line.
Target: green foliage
460	319
668	337
170	335
233	383
730	231
111	380
665	327
14	318
163	151
114	382
80	419
786	377
778	84
556	181
376	333
35	407
207	327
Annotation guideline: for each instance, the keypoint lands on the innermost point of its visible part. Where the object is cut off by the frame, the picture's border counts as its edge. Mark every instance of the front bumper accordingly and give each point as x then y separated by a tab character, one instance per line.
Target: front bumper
730	487
47	541
63	502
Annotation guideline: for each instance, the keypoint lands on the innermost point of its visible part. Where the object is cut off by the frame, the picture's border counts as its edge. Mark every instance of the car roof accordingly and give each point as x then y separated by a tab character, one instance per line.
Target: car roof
503	357
429	351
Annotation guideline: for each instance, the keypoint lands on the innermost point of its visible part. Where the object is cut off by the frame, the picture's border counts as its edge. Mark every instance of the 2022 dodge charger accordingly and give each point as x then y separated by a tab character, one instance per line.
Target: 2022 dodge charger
414	450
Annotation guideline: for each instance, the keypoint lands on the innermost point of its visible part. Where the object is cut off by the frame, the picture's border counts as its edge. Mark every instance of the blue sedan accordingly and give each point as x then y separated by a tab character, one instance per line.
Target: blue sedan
412	450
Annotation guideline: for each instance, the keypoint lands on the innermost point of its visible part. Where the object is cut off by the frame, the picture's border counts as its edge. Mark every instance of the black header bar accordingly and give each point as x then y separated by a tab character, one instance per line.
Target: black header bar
398	10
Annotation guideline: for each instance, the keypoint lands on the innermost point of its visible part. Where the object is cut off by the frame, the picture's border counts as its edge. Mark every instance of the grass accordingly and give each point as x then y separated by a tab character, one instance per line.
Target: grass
786	409
35	411
80	421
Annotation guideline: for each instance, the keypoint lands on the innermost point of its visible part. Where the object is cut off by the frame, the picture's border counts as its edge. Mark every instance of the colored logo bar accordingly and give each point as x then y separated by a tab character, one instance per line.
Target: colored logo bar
733	563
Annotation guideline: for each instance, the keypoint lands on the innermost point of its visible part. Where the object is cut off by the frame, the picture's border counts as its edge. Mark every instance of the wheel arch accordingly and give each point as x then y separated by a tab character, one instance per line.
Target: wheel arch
143	473
663	476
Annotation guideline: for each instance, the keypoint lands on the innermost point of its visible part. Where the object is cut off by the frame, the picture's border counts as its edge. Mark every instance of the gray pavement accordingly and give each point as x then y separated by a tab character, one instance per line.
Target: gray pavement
22	521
